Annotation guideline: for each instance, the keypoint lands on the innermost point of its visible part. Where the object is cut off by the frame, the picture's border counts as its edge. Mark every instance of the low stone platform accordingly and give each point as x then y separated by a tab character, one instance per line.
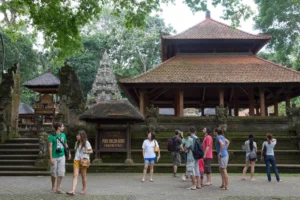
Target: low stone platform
129	187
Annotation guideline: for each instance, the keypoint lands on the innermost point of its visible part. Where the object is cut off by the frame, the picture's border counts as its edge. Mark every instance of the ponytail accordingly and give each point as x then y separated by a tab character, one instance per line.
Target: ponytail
251	138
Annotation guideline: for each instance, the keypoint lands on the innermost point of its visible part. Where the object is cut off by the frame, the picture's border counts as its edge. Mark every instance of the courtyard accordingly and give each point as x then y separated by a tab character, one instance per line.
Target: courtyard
128	187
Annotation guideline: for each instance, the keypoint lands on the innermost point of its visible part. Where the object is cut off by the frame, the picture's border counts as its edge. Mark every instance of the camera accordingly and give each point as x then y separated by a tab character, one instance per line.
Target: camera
58	150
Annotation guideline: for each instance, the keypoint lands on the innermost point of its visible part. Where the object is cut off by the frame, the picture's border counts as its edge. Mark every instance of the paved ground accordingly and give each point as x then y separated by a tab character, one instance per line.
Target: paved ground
129	187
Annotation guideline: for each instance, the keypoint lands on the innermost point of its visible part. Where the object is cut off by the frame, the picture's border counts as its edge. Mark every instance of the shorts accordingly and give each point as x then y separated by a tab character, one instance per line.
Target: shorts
223	162
207	166
59	167
77	165
201	175
192	168
176	158
149	161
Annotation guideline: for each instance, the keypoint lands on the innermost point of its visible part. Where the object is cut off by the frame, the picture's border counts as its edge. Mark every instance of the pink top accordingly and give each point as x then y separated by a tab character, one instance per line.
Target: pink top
201	165
208	141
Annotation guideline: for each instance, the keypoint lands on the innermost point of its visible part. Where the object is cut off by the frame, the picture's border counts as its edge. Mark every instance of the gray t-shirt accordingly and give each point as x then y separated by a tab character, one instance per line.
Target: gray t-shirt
270	148
247	147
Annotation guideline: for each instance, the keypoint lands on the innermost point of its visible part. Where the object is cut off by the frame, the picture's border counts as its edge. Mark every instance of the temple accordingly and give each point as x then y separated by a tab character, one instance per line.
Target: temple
212	64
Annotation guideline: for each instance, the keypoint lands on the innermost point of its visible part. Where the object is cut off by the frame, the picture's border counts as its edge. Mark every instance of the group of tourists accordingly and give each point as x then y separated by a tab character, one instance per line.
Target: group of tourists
59	152
199	156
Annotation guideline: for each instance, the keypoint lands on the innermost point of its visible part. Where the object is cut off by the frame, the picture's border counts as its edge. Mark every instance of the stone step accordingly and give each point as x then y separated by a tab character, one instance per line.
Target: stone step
18	157
22	140
19	146
16	162
25	173
167	168
21	168
19	151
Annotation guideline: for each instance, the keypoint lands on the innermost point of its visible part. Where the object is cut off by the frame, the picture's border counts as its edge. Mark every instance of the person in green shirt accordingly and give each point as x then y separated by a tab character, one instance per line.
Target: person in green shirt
56	143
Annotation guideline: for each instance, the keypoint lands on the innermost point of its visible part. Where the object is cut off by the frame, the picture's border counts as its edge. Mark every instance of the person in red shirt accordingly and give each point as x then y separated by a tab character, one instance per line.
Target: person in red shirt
201	170
208	154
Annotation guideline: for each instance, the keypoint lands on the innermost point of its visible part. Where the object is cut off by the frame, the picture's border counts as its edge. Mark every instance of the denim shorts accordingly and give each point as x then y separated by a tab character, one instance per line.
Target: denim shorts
149	161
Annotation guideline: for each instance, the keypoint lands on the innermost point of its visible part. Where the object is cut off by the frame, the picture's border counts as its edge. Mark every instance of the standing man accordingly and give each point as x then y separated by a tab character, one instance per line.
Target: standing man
192	164
57	143
176	151
208	154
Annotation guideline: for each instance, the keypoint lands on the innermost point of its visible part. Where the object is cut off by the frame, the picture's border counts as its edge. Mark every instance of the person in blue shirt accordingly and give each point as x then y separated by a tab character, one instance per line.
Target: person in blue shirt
221	146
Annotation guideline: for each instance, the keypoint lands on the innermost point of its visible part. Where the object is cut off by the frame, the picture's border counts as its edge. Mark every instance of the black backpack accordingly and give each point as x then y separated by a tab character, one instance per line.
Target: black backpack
197	150
171	144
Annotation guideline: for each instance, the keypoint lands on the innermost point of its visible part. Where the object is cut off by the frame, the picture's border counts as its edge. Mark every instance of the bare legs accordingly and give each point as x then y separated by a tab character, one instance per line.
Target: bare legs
59	179
145	172
224	176
252	170
53	183
75	179
208	179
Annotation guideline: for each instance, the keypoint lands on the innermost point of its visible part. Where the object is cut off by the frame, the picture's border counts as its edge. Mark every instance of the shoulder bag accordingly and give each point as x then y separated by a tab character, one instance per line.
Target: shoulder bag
66	149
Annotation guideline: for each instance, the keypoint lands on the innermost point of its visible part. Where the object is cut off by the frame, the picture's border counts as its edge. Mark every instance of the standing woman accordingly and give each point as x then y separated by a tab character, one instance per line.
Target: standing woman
221	146
149	155
83	149
251	156
270	156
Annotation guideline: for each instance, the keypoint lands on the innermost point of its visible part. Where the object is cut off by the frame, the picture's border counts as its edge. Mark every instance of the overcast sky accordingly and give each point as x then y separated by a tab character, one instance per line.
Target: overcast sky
181	17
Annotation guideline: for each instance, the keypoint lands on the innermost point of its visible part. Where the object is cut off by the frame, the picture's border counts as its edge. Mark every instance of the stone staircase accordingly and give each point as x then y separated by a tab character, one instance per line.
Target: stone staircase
287	154
17	158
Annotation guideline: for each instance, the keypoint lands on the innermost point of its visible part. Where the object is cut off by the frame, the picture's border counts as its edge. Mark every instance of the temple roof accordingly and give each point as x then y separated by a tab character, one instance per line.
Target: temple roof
25	109
211	29
44	80
113	111
217	68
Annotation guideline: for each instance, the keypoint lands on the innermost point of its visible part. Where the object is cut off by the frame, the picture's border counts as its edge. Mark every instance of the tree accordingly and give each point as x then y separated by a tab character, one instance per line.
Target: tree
281	20
61	21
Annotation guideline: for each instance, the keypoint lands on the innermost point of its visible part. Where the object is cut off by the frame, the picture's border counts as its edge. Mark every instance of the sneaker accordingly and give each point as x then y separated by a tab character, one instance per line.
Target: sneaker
183	177
175	176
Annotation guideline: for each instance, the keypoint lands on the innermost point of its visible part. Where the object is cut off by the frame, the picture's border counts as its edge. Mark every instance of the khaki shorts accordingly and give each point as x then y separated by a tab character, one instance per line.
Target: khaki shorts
77	165
223	162
59	167
176	158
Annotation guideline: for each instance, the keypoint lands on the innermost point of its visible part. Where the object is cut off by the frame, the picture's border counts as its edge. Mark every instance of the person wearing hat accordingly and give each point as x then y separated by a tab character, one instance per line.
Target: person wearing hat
177	140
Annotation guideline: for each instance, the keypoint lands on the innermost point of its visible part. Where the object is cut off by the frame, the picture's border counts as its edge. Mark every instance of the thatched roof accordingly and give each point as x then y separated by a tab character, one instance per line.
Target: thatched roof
45	80
112	111
25	109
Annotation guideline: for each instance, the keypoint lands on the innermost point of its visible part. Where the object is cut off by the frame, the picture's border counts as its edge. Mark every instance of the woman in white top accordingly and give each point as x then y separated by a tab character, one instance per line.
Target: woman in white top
251	149
83	149
149	155
269	156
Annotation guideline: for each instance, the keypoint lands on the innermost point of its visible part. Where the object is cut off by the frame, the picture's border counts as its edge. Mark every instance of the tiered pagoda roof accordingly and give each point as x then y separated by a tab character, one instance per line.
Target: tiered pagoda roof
46	82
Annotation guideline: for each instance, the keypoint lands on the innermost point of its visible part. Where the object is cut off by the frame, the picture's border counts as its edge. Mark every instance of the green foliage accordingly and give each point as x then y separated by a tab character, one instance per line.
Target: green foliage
61	22
281	20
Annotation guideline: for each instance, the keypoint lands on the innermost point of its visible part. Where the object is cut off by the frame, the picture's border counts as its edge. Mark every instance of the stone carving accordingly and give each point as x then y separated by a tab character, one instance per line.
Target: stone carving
221	117
293	114
105	86
43	156
72	102
151	118
10	97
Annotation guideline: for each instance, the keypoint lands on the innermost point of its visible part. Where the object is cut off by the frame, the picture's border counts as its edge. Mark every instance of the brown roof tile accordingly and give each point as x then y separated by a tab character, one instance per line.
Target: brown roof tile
211	29
216	69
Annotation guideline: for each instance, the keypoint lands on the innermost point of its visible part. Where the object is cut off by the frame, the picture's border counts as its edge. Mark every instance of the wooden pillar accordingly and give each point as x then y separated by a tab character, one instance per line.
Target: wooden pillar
262	102
179	104
287	102
202	111
142	103
251	101
229	109
266	110
221	97
235	104
257	111
276	108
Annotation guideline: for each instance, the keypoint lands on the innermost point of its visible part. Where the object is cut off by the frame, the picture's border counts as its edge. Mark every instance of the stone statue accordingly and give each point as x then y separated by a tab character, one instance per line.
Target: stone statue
105	85
151	118
293	114
221	117
43	156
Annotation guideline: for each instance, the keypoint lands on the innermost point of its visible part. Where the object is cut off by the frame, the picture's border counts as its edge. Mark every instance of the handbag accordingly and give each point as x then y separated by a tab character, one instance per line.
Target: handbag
85	162
156	148
252	155
66	149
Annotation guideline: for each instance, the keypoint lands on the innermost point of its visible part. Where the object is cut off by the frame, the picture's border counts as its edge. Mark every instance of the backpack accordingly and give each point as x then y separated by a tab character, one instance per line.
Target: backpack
252	155
197	150
171	144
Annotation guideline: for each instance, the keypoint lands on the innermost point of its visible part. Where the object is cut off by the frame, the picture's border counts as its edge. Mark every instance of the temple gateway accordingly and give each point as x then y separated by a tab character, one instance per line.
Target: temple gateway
212	64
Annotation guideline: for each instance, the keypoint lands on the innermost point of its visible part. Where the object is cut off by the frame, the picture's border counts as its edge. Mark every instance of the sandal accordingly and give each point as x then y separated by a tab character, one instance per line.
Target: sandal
191	188
71	193
60	192
82	192
222	186
198	187
151	180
